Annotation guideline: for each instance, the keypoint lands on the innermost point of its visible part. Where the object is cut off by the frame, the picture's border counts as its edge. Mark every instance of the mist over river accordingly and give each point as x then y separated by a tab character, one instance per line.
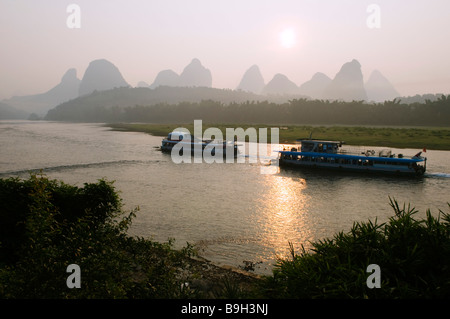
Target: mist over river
231	212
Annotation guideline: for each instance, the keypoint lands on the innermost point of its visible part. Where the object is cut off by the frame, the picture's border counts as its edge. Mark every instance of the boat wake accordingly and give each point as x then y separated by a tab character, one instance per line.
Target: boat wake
438	175
71	167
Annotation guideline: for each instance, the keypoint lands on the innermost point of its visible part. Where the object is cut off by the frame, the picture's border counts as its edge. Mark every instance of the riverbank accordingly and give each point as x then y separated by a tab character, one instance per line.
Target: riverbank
47	226
50	229
433	138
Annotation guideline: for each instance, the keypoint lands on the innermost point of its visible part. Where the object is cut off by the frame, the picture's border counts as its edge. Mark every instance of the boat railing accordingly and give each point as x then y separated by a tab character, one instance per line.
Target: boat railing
220	141
358	151
370	152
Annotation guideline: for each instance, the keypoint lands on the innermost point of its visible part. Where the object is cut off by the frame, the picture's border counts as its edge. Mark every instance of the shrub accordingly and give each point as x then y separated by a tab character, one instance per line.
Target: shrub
47	225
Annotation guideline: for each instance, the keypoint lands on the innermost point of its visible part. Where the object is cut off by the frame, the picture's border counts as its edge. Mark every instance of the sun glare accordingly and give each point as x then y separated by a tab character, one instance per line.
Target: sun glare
288	38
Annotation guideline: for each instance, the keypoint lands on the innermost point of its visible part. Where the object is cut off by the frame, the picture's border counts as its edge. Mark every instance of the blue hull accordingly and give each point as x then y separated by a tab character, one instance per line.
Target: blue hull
352	163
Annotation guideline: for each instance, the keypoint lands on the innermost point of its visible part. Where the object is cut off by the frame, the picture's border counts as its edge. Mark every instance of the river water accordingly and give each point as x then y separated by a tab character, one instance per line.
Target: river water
231	212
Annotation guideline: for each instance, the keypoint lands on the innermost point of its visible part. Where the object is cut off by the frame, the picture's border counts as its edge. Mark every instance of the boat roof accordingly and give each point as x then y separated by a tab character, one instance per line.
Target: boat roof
179	133
319	141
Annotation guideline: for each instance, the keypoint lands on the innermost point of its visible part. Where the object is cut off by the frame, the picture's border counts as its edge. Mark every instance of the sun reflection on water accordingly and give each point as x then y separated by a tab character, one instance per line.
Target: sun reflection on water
284	217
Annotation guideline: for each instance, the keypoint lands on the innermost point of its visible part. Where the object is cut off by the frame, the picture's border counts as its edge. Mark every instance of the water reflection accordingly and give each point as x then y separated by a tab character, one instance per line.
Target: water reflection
284	217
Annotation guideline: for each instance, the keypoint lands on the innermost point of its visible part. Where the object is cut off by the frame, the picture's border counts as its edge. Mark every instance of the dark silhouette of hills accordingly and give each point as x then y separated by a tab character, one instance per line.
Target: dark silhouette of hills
166	78
348	84
294	111
193	75
252	81
68	87
315	87
379	88
103	85
142	84
40	103
280	84
190	96
8	112
120	98
101	75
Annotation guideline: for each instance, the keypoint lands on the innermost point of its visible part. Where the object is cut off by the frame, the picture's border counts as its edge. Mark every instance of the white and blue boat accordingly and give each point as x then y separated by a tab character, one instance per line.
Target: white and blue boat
321	154
188	141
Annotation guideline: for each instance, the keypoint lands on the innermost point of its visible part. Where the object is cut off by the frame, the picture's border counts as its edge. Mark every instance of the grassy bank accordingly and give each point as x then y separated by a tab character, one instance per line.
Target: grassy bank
435	138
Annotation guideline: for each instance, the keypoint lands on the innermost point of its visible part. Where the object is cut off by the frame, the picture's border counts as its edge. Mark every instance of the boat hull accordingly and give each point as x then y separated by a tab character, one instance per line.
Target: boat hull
354	164
343	168
216	150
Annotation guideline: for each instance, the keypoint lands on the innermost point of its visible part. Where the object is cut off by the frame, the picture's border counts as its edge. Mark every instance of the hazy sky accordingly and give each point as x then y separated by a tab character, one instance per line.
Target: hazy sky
407	41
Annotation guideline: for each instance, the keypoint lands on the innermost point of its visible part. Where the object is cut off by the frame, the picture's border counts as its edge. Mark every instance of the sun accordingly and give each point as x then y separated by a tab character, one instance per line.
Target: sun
288	38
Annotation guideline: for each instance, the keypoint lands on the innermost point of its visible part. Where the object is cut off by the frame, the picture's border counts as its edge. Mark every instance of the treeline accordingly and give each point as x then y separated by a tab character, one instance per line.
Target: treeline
296	111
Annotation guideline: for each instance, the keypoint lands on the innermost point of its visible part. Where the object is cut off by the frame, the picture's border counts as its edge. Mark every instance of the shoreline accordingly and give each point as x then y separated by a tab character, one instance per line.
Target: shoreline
209	278
431	138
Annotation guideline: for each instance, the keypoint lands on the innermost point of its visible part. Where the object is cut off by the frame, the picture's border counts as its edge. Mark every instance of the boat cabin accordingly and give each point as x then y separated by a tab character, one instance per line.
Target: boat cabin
178	136
317	146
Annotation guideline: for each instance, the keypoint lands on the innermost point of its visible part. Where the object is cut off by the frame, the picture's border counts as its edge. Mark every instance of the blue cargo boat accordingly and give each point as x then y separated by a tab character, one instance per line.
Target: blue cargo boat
329	155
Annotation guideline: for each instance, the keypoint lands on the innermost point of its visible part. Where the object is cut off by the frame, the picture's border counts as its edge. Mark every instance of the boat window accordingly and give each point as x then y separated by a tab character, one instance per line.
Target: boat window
307	147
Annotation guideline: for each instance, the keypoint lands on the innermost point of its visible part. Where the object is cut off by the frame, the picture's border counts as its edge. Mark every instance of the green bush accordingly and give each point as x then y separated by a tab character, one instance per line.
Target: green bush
47	225
413	256
22	201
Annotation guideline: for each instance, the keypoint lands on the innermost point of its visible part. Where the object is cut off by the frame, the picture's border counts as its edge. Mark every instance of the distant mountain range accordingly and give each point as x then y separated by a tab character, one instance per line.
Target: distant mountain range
347	85
193	75
379	88
66	90
252	81
102	75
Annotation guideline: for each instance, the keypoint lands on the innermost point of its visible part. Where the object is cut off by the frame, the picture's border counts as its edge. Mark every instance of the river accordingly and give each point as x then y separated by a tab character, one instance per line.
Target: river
231	212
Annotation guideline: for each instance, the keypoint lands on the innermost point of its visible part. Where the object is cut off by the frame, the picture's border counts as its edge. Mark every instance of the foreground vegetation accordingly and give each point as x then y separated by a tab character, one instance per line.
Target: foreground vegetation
47	225
413	256
413	137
